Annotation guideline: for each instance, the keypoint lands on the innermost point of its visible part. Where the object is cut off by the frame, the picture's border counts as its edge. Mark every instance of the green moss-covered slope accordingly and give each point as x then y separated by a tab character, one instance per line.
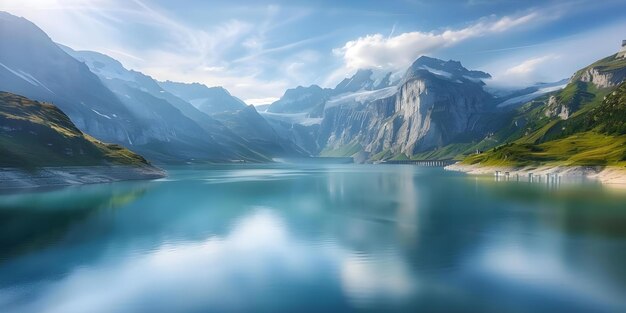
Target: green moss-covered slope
35	134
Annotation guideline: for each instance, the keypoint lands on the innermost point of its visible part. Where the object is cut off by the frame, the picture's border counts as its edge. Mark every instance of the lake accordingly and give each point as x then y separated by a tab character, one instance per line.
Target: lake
311	238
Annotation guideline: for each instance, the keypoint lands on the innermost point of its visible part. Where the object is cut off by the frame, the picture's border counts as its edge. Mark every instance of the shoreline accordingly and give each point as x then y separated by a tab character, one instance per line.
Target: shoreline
16	178
609	175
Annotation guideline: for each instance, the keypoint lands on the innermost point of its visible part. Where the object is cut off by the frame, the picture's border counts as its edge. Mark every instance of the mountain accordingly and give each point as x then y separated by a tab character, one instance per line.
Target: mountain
249	124
35	135
178	131
582	124
210	100
302	100
434	104
243	120
452	70
298	114
362	80
34	66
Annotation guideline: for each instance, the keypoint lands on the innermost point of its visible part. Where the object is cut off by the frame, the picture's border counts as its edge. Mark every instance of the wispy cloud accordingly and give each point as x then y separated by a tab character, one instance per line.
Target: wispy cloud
233	52
258	50
529	66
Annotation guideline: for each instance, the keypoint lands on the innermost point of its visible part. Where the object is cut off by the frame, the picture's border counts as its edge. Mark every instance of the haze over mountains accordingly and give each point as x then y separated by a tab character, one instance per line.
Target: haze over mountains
436	109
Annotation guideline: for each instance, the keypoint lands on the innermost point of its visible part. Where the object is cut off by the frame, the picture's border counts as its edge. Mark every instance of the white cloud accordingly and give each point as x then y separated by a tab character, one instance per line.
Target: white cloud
398	52
529	66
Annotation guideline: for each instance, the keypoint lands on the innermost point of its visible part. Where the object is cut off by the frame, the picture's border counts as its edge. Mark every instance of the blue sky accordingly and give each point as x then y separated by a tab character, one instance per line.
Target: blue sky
258	49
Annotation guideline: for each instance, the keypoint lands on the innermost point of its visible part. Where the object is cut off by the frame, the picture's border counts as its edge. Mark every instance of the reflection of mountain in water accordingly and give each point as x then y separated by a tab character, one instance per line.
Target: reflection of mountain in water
356	237
32	221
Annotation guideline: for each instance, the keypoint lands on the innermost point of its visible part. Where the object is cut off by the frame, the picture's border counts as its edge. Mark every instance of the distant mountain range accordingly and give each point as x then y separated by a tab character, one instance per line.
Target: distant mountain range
436	110
118	105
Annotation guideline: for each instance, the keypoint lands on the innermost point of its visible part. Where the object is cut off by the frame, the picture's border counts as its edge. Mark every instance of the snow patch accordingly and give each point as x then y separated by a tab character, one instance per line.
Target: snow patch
474	79
103	115
26	76
437	72
361	96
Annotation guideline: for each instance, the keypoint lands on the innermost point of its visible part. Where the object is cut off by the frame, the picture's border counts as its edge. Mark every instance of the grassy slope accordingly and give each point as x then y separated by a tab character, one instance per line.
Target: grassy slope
595	135
34	134
585	149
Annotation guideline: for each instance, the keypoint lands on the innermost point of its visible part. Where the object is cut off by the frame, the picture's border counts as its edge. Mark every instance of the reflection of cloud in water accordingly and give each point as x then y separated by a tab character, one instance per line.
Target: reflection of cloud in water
368	281
378	196
540	266
408	206
235	272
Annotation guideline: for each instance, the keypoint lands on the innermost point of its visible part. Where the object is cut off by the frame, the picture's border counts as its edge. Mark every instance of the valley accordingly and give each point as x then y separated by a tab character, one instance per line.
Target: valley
434	110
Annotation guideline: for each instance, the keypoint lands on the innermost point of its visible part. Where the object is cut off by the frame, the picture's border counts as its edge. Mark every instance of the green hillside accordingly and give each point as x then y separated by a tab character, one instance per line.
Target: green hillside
595	135
34	134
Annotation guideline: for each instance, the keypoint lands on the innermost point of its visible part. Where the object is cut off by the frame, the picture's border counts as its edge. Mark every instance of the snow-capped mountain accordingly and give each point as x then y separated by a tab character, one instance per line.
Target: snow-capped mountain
435	103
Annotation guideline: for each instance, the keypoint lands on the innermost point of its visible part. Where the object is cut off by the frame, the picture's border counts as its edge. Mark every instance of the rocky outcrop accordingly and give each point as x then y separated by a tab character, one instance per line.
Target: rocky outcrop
555	108
603	79
605	73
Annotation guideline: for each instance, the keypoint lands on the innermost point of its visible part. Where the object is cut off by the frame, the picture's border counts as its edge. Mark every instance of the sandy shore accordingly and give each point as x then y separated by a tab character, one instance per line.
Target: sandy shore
59	176
606	175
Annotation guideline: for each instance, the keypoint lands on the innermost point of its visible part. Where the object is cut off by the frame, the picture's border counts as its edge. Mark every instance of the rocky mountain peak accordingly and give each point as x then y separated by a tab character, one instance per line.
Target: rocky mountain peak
451	70
362	79
300	99
301	90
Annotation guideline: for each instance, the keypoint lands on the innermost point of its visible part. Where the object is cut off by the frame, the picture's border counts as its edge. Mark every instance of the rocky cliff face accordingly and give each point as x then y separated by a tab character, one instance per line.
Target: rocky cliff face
606	73
603	79
436	103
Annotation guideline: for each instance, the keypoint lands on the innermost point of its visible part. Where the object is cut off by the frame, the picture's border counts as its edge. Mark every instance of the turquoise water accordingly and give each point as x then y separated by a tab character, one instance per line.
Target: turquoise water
314	238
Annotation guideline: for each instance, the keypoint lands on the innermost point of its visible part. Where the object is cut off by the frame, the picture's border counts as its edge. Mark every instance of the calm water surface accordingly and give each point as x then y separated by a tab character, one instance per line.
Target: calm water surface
314	238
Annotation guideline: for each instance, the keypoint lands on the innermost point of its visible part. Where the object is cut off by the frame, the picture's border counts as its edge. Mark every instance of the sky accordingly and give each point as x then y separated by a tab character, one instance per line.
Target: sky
258	49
